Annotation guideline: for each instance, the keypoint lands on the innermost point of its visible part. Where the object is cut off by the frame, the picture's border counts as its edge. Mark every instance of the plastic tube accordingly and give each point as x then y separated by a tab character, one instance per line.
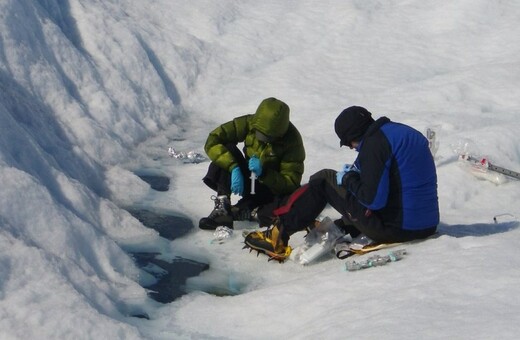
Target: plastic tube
253	179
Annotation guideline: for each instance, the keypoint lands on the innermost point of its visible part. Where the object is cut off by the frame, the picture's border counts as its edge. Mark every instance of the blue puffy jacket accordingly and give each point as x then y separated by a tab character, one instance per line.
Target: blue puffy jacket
397	180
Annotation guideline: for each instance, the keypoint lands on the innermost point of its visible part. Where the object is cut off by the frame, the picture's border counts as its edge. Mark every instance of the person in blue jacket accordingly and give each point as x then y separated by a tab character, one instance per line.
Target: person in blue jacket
389	194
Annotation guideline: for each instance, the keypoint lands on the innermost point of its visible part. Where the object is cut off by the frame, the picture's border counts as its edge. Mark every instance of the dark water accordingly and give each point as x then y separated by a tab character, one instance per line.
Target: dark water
158	183
170	283
168	226
170	275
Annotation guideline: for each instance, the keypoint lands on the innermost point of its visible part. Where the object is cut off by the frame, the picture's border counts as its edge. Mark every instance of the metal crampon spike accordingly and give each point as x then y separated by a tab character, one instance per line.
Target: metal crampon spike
272	258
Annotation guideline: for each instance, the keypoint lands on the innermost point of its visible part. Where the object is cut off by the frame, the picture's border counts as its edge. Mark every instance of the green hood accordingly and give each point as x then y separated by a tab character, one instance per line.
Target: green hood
272	118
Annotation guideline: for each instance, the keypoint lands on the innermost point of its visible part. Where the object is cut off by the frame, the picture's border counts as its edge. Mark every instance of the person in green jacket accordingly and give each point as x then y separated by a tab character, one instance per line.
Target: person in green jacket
272	150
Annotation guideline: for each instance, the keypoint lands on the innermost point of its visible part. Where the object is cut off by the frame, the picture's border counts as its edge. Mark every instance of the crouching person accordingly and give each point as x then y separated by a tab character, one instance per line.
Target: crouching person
273	150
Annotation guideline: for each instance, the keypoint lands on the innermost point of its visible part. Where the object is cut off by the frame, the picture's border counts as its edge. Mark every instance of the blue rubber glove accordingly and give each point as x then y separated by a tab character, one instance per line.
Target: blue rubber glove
341	173
339	177
255	166
346	168
237	181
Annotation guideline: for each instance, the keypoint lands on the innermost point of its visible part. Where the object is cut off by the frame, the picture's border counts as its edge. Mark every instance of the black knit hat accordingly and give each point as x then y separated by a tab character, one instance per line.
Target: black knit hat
352	123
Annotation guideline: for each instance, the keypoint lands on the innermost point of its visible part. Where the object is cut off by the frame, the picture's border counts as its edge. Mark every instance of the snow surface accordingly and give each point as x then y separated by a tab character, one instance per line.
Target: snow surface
92	93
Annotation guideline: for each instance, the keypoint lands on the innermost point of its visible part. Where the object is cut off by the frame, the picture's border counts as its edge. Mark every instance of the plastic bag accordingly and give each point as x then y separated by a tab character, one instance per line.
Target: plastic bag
320	241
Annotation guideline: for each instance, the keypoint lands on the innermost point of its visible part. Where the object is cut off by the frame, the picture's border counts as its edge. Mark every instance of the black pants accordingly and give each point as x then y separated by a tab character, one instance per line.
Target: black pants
219	180
322	190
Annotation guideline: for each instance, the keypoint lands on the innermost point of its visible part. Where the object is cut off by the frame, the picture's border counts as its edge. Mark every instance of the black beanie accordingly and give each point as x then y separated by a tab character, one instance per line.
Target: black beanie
352	123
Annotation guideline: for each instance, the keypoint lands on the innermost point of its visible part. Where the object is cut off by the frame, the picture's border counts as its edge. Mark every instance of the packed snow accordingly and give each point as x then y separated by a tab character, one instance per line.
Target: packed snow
93	93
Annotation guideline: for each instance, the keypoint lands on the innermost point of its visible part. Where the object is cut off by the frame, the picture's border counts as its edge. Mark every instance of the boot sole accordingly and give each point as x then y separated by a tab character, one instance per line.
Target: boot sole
271	254
205	226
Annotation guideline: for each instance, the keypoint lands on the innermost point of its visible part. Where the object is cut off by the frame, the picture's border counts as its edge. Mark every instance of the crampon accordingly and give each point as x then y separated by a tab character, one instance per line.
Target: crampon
269	243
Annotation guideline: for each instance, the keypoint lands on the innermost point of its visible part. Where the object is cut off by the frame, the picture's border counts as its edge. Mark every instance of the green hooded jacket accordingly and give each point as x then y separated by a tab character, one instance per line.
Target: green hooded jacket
282	159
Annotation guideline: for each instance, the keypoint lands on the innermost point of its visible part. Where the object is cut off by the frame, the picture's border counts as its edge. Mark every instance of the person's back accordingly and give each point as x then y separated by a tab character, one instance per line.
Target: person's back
412	200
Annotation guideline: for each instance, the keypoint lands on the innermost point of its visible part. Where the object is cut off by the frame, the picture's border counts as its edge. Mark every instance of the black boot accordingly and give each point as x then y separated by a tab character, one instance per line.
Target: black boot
243	213
220	216
244	210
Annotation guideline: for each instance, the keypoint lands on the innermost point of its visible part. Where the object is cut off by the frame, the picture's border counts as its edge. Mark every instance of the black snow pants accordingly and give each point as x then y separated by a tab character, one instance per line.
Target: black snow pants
307	203
219	180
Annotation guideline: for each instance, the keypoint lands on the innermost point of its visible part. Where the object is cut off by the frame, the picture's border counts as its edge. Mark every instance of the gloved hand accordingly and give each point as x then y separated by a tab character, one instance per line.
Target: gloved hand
255	166
341	173
237	181
347	168
339	177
